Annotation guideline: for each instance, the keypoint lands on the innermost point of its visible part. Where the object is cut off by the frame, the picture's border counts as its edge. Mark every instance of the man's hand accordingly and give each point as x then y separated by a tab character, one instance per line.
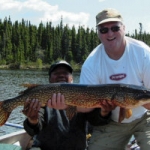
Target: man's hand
31	108
147	106
57	102
106	108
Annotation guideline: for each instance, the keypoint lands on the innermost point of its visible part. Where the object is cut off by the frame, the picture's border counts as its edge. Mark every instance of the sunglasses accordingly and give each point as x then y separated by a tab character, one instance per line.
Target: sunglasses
113	29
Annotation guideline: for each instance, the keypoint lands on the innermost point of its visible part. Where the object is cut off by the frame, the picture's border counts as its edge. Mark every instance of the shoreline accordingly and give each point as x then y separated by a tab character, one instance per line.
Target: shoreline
32	67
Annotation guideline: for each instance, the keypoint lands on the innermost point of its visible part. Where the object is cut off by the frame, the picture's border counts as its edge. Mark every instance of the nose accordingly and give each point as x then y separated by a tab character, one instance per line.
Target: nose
61	75
110	32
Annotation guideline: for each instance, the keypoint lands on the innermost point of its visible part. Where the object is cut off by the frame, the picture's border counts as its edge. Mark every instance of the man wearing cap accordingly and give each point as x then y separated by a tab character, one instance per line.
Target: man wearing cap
118	59
50	127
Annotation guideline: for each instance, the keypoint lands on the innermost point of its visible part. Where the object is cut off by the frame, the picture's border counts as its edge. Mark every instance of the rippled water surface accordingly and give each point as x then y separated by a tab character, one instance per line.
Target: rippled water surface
10	86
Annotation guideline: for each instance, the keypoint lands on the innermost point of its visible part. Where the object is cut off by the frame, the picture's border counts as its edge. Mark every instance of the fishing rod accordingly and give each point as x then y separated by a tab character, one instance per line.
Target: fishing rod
14	125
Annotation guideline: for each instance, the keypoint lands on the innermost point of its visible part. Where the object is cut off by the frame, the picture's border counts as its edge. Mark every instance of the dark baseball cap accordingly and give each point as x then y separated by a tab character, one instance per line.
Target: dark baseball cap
60	63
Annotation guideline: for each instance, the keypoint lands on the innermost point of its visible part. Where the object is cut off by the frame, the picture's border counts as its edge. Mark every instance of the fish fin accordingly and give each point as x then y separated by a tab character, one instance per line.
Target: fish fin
28	85
128	113
4	115
70	112
122	114
88	136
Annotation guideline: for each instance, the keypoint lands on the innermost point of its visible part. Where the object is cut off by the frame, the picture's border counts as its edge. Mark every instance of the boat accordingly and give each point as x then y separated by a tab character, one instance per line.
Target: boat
18	140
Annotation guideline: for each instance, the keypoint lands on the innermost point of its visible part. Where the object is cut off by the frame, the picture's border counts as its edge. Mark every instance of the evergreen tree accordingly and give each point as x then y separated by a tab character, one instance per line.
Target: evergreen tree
22	42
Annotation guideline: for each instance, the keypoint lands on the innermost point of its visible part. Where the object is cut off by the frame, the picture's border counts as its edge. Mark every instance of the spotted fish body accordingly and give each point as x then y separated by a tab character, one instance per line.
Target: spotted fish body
123	95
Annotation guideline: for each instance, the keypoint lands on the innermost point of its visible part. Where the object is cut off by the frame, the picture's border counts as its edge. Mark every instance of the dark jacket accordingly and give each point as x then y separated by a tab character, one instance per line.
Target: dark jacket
55	132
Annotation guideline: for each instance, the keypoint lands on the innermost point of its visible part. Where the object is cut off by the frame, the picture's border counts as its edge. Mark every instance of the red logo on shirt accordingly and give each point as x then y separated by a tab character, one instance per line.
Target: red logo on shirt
118	76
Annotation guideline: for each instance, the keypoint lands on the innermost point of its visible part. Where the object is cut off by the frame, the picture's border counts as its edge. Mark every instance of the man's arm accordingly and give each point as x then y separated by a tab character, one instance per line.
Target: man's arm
33	129
96	119
35	116
99	116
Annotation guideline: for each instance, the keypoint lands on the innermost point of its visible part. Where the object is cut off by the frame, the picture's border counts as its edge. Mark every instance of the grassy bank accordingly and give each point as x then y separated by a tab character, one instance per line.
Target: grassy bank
32	65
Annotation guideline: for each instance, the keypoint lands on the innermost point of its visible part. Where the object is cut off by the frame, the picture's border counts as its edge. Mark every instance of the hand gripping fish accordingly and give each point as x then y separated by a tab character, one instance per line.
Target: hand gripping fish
123	95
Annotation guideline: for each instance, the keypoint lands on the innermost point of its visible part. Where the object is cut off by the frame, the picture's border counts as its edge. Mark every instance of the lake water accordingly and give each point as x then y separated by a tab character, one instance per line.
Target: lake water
10	86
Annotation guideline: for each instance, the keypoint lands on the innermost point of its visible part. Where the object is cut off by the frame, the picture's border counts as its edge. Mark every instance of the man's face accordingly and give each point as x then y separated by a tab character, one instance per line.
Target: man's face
61	74
111	39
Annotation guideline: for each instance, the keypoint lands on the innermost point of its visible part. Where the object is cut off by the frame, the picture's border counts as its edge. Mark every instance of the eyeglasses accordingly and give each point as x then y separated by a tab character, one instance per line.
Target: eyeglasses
113	29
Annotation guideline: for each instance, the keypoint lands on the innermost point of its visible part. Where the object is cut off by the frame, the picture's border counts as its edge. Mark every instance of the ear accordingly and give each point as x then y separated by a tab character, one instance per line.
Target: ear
71	78
72	81
124	27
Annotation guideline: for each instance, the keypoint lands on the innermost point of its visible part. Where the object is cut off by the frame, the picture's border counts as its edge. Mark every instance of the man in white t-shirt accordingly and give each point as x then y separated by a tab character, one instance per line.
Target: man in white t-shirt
118	59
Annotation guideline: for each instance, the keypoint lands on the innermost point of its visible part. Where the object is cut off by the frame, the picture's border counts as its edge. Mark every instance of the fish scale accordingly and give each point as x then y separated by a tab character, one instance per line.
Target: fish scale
82	95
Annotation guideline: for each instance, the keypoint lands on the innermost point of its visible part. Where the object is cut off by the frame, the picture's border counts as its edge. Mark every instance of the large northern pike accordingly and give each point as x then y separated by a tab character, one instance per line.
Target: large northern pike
123	95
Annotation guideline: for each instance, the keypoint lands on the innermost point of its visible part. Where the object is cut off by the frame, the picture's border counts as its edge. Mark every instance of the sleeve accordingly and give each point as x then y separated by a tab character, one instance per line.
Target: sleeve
35	129
95	119
146	69
88	75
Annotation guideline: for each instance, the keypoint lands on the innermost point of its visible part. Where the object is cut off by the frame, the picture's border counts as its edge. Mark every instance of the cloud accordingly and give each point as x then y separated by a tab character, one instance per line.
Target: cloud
68	16
101	0
37	5
9	5
39	10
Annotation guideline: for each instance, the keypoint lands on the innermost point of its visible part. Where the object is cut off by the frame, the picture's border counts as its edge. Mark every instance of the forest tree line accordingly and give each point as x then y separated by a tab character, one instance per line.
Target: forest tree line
23	42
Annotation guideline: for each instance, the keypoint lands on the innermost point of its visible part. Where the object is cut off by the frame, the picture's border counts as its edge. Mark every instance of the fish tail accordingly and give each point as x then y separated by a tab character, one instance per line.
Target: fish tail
4	114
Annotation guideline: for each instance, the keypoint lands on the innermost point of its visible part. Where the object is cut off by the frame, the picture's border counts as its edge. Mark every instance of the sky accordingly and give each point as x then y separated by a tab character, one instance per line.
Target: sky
76	12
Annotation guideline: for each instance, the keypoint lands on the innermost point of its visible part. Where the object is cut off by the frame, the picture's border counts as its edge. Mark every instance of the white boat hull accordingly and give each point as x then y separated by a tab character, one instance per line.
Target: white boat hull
19	138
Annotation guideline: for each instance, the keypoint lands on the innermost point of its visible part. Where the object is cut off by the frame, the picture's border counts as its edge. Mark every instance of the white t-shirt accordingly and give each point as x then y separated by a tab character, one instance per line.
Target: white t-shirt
132	68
